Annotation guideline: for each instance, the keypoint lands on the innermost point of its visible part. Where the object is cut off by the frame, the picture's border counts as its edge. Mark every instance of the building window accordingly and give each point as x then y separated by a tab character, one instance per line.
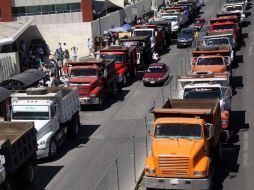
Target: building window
33	10
46	9
75	7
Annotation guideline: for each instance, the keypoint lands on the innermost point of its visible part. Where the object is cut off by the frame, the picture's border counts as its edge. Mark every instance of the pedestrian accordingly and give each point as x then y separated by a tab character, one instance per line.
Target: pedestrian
59	45
64	47
155	57
74	53
90	46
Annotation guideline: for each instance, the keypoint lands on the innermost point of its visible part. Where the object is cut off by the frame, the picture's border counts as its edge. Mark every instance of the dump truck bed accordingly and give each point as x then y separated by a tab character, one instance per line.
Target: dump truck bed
18	144
208	110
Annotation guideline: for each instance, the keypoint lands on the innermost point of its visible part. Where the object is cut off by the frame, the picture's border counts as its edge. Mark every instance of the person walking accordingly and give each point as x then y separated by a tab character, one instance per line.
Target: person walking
90	46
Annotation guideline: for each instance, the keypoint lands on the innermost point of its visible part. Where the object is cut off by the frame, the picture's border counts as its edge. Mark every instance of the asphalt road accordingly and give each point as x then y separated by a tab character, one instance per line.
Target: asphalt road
83	161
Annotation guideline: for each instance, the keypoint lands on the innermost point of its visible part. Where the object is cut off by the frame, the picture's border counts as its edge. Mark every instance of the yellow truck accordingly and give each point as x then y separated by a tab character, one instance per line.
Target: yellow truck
185	145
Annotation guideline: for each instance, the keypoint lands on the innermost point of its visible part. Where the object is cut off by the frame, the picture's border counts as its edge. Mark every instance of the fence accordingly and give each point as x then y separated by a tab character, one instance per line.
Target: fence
9	65
123	173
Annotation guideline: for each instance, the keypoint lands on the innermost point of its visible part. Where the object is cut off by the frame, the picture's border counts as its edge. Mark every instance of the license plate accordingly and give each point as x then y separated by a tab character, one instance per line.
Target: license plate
152	82
174	181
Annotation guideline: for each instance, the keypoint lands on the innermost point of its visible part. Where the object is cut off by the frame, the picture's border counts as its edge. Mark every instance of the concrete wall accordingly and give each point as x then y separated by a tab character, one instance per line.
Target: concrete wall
117	18
9	65
19	3
60	18
73	34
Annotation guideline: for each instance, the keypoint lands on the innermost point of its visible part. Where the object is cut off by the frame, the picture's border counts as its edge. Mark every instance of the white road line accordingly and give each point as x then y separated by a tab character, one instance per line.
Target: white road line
250	50
245	149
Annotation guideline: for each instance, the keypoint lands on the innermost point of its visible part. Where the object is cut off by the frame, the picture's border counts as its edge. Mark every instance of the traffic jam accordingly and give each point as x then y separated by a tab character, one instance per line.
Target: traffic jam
187	132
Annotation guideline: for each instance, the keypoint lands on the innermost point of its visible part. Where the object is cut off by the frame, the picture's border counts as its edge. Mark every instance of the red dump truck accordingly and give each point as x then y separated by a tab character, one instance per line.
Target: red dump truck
94	79
125	59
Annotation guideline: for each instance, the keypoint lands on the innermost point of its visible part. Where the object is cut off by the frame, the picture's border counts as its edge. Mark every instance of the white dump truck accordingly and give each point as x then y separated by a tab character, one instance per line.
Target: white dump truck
205	85
54	111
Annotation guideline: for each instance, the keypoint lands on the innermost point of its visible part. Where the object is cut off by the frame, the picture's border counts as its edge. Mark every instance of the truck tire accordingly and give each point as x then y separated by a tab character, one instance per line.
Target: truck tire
114	89
101	102
53	148
134	74
9	184
26	177
74	124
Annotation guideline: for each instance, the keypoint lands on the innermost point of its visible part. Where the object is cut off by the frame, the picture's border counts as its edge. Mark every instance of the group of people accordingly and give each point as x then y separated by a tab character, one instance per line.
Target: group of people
30	57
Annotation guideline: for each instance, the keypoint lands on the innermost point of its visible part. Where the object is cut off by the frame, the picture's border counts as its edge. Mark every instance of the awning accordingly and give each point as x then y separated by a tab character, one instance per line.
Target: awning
4	93
10	31
24	80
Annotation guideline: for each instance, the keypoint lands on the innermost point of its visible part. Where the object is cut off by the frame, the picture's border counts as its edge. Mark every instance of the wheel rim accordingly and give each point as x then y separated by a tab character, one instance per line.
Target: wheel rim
53	148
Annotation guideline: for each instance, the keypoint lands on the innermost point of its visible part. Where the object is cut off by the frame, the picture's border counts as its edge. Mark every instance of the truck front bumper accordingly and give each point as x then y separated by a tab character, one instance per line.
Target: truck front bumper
172	183
89	101
42	153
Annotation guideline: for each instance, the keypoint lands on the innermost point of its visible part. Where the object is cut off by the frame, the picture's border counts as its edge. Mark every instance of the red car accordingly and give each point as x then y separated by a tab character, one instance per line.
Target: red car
199	23
156	74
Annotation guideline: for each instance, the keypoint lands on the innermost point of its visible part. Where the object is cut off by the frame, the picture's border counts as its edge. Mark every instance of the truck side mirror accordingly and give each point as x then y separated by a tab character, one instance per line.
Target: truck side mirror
209	127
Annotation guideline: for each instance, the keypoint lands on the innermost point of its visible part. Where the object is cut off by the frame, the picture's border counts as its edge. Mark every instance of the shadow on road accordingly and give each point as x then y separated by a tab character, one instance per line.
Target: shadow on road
236	82
43	175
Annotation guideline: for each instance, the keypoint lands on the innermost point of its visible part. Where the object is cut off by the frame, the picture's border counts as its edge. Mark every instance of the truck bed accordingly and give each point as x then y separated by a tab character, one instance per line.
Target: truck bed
69	102
18	143
209	110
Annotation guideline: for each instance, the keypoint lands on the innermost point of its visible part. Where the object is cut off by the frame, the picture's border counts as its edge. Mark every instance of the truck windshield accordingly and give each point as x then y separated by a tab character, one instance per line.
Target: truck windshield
234	1
167	17
86	72
177	130
234	8
217	41
223	27
202	93
118	58
143	33
210	61
19	115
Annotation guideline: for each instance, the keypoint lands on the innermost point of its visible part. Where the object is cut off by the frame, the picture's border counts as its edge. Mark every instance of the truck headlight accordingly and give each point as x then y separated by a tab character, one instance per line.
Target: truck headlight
150	171
200	173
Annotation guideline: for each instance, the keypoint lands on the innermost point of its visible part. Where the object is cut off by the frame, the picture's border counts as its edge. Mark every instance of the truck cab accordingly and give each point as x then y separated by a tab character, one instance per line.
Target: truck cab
125	59
211	59
93	78
235	8
209	86
174	19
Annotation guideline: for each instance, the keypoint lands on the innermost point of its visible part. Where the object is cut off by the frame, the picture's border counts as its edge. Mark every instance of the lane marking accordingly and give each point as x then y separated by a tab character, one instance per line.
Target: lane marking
245	149
250	50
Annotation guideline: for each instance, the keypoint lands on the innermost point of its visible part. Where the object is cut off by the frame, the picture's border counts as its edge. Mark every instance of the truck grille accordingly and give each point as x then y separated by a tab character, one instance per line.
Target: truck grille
174	166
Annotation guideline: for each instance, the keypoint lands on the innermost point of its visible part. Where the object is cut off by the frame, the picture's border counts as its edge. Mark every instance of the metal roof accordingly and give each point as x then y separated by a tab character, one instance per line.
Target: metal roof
10	31
4	93
24	79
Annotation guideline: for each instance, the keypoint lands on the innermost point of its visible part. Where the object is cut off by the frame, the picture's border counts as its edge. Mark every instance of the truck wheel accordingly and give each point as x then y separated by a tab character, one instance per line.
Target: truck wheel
74	125
100	105
114	89
53	148
27	175
134	72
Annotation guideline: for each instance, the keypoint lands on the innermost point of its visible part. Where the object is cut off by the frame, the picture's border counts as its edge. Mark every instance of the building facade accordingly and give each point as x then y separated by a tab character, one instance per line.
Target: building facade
47	11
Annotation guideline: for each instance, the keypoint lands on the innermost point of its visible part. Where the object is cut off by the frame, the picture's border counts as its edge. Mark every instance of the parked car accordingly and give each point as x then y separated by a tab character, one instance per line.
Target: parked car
185	38
199	23
156	74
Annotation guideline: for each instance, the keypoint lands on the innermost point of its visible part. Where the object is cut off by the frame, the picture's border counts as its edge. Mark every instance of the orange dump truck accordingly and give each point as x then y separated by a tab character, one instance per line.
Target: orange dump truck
185	143
212	59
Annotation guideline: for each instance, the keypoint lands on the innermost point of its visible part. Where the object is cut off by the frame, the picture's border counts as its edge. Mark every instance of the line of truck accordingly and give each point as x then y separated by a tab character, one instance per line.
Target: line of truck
188	132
